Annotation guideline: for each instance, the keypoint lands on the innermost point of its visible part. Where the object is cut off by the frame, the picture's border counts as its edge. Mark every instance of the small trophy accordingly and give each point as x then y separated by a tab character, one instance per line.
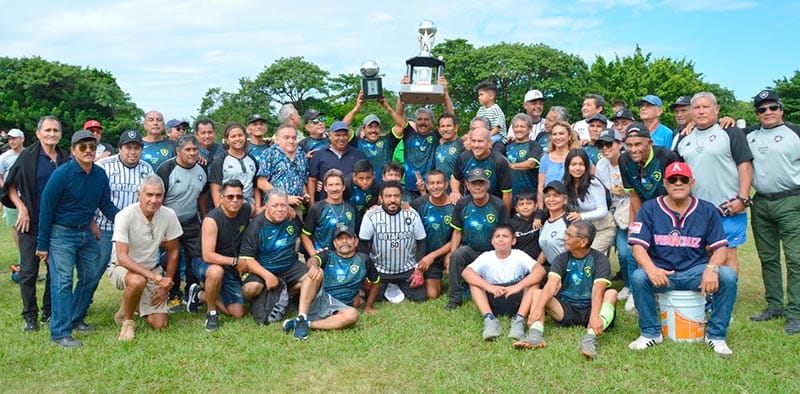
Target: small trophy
423	87
371	83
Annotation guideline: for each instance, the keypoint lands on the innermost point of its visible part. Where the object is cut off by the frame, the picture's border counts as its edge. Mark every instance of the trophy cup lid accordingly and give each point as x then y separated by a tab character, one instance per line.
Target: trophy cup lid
370	68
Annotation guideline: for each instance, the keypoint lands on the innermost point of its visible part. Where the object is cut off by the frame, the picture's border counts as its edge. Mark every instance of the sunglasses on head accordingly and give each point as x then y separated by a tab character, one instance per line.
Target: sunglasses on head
86	146
675	178
772	107
232	197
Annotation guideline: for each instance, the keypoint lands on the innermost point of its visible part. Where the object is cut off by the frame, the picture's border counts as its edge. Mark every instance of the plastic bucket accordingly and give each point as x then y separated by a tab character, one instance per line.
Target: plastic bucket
682	315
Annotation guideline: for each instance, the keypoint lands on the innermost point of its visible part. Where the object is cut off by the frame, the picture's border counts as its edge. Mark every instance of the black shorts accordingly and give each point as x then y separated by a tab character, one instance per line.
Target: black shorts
290	276
436	270
574	315
505	306
403	281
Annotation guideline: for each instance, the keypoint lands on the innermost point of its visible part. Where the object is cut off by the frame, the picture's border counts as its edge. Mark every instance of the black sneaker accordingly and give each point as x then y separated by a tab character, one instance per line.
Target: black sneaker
193	301
792	326
212	321
452	305
768	314
45	317
301	328
83	327
30	326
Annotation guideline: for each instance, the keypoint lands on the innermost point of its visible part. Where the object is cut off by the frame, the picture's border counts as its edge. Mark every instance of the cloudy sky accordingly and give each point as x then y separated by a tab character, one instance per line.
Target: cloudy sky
166	55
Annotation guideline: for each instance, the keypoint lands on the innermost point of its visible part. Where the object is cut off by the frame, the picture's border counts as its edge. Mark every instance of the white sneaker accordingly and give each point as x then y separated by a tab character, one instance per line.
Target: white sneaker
624	293
720	347
644	342
630	306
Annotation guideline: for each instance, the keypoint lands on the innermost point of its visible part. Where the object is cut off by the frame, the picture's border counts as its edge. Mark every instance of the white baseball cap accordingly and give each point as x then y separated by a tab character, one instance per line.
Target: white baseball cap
533	95
16	133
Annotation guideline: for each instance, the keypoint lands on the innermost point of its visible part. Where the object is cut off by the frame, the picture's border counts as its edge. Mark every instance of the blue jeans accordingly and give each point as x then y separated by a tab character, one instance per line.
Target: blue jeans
70	250
627	264
93	277
722	302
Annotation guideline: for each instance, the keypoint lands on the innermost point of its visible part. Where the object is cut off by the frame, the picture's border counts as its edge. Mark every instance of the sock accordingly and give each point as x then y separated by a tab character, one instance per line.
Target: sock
591	332
212	312
538	326
303	315
489	316
607	314
518	316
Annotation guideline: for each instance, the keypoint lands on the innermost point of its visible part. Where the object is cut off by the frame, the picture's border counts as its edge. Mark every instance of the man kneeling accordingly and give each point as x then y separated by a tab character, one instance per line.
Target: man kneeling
139	230
500	281
576	292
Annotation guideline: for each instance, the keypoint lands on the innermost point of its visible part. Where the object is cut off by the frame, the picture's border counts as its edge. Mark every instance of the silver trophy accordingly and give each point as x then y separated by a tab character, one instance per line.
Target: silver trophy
371	83
424	71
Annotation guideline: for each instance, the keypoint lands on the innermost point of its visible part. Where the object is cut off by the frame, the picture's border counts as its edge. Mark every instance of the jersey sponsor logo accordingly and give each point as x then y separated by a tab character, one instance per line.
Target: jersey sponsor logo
636	227
435	226
675	239
491	218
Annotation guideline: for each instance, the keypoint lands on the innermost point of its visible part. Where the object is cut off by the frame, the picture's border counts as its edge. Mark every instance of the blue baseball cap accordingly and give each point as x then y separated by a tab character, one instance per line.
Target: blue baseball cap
651	99
339	125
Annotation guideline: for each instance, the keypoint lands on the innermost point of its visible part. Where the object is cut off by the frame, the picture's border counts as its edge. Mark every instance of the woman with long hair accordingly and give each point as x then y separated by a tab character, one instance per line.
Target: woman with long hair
551	166
586	199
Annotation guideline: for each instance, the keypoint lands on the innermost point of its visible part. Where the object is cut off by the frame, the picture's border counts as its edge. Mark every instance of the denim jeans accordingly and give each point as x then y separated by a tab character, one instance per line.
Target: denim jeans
722	302
70	250
627	264
95	273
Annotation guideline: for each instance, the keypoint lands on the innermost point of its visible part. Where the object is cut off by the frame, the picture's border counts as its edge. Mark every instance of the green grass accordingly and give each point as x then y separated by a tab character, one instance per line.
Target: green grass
405	348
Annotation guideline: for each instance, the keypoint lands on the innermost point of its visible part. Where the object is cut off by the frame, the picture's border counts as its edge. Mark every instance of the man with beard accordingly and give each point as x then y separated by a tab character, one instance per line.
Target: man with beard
395	241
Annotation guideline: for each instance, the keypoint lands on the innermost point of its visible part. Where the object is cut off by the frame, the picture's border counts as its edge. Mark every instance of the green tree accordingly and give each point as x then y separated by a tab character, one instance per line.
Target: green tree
515	69
789	92
33	87
632	77
292	80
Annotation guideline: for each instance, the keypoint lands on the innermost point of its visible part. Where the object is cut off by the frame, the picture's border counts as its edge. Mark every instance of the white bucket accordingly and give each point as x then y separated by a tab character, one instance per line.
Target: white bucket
682	315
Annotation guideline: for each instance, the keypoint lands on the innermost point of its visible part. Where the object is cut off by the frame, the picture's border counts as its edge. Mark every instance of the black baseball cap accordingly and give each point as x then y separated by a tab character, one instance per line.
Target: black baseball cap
130	136
310	114
255	118
557	186
681	102
765	95
637	129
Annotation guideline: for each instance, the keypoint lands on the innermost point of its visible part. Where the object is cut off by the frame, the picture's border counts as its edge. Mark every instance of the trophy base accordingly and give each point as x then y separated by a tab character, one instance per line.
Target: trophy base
421	94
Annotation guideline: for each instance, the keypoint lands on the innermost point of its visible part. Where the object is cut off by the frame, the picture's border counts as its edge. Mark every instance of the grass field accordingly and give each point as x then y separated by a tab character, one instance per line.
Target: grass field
405	348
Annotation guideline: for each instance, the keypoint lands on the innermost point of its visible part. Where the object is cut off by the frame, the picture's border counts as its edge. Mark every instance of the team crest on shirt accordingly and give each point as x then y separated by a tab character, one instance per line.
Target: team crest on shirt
164	151
452	150
712	137
491	218
778	138
553	234
354	268
448	219
252	168
522	152
587	271
429	139
348	215
657	176
199	178
379	144
290	230
408	221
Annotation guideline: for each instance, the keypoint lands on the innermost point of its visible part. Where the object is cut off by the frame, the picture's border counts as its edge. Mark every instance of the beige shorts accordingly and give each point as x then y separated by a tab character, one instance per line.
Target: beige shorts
117	275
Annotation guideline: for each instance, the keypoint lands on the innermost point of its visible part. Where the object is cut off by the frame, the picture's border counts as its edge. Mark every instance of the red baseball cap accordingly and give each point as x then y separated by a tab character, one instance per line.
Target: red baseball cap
678	168
92	123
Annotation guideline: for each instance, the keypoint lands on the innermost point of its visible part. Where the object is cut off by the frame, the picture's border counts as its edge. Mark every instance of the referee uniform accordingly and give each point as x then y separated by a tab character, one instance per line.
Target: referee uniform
395	239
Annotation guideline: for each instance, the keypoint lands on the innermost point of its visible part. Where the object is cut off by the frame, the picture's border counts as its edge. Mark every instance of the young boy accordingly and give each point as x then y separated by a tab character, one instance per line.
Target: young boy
487	92
500	281
361	188
577	292
394	171
522	223
345	269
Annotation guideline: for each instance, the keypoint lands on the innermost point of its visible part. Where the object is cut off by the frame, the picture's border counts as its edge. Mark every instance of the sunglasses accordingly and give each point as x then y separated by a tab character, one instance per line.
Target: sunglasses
86	146
602	145
231	197
675	178
773	108
319	120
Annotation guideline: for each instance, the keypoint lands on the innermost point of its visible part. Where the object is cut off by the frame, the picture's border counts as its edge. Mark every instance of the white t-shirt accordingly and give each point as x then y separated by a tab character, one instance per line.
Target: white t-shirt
144	236
7	159
511	269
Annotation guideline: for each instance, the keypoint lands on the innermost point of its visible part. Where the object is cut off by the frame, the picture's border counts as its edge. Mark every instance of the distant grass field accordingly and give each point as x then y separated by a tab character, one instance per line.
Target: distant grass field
405	348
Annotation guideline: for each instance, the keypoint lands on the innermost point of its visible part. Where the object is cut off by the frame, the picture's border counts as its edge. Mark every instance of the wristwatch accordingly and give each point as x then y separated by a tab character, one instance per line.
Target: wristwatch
712	267
745	200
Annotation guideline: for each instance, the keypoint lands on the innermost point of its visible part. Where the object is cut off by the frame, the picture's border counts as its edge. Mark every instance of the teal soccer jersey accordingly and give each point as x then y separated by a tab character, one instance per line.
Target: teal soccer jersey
271	244
344	275
321	221
419	152
436	220
156	153
478	223
646	181
579	275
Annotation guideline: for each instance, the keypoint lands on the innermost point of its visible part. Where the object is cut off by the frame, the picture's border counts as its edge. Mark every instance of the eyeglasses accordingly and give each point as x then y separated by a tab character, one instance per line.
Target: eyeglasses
773	108
319	120
602	145
568	235
675	178
231	197
86	146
